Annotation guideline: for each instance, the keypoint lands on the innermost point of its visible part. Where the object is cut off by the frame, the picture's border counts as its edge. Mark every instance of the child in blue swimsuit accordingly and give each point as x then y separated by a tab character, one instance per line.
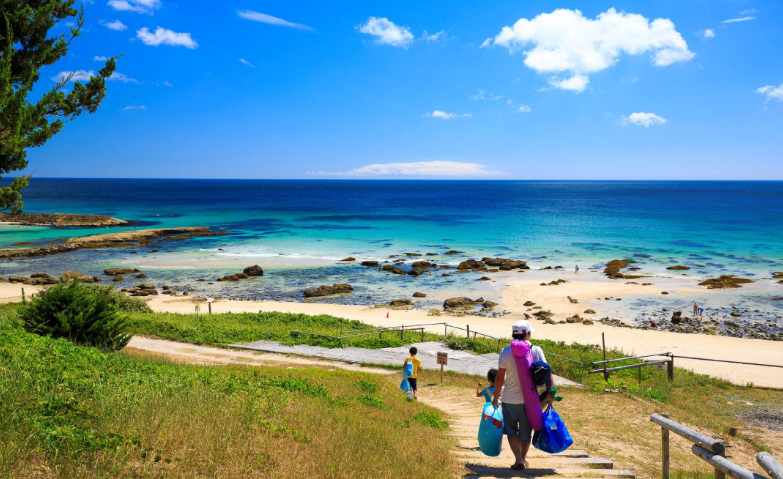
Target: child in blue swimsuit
489	391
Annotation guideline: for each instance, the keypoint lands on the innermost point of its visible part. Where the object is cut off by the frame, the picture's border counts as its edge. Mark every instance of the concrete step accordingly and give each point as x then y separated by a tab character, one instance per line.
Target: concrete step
574	453
490	471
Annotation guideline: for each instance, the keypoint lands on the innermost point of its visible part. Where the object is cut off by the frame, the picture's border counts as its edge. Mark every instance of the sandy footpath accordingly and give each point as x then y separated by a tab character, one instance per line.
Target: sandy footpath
553	298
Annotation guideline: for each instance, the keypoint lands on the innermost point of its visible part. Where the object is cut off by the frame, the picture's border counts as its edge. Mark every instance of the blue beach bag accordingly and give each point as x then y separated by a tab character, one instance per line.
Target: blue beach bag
490	435
407	372
554	438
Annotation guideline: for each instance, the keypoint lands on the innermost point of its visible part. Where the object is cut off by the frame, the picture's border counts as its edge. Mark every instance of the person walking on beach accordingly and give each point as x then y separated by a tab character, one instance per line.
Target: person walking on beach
508	389
695	309
576	269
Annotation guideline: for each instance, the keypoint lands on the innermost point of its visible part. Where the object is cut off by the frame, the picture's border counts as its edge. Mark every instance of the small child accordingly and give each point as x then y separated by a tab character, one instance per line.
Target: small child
416	367
489	391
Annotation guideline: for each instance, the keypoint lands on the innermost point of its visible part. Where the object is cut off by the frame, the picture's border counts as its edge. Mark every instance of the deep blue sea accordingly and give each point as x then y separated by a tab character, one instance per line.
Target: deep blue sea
295	225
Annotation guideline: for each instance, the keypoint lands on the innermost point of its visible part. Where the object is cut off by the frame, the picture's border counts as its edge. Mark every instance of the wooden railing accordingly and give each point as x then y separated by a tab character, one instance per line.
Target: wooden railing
712	451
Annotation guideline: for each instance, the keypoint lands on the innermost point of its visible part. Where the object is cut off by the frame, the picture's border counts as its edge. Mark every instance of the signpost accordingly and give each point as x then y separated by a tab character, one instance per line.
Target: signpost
443	360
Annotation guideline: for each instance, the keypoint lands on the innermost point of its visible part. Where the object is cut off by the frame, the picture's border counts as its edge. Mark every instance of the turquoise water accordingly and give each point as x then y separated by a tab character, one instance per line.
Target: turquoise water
299	229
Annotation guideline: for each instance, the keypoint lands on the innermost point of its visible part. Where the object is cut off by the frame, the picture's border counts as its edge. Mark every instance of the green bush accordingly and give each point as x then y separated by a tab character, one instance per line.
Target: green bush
120	300
431	419
78	313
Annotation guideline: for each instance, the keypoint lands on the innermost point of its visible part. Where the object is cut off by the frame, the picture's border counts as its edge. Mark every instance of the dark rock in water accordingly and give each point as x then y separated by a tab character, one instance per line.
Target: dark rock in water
401	302
419	295
777	275
677	317
453	252
678	267
639	255
145	286
558	267
423	264
445	266
39	275
165	287
489	304
154	251
529	303
141	276
504	263
664	292
412	254
118	278
398	271
779	298
116	271
71	275
725	282
370	263
201	280
415	272
589	311
341	288
735	314
254	270
472	264
547	267
613	268
485	278
461	303
432	254
350	258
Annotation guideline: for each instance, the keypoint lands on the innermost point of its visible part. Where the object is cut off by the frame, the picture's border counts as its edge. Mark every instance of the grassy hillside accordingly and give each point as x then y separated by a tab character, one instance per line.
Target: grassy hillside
70	411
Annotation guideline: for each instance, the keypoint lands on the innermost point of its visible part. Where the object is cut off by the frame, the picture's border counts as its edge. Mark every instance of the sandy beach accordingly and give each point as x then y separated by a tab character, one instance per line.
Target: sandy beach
587	289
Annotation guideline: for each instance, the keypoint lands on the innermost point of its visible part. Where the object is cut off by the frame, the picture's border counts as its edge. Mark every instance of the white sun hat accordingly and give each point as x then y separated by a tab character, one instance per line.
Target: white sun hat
521	327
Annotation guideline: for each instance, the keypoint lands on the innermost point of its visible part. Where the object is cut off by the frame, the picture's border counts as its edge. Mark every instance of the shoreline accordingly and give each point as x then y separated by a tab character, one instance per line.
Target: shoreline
586	291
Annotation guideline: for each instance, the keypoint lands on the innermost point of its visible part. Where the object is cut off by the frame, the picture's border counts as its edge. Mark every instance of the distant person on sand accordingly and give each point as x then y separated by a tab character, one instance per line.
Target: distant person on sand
695	309
507	387
576	269
416	367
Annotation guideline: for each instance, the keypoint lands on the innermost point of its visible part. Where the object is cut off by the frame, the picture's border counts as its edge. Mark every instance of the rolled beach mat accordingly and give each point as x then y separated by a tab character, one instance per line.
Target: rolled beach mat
523	357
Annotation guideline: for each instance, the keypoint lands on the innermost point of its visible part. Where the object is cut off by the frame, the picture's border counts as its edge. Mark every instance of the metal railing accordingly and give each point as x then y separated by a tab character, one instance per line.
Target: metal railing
712	451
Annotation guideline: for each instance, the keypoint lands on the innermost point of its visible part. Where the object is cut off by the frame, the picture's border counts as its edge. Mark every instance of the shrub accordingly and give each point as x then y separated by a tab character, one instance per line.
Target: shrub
78	313
120	300
431	419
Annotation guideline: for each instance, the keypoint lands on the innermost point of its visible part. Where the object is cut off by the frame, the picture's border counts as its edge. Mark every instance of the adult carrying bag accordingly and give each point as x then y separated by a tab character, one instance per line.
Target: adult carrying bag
554	438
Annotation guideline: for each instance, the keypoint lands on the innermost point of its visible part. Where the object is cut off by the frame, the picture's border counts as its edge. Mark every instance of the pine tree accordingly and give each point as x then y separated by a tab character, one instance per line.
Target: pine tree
25	48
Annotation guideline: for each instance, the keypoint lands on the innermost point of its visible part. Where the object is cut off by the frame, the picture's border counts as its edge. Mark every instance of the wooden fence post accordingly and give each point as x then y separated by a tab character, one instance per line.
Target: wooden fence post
468	330
665	449
498	346
210	307
603	340
670	369
422	335
402	333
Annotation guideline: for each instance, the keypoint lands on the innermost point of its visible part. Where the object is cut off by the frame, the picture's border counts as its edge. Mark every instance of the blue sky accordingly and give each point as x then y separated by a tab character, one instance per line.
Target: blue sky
567	90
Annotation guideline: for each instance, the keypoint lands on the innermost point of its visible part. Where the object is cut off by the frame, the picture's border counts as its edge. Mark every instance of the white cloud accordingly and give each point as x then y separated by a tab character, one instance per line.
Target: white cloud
135	107
642	119
707	33
269	19
78	75
566	41
772	92
99	58
486	43
165	83
387	32
115	25
138	6
446	116
576	83
737	20
418	168
480	96
161	36
746	12
521	108
246	63
122	77
439	37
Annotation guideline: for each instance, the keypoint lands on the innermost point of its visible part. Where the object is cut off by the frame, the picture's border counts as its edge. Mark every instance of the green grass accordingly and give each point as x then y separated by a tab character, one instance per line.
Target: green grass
72	411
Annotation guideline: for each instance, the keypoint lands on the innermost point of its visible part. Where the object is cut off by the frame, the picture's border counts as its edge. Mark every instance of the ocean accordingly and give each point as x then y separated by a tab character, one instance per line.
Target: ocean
299	229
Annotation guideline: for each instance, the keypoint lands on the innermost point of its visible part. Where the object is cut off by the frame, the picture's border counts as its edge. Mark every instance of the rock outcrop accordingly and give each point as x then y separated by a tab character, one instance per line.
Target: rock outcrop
419	295
116	271
472	264
254	270
461	303
505	264
370	263
679	267
71	275
725	282
341	288
61	219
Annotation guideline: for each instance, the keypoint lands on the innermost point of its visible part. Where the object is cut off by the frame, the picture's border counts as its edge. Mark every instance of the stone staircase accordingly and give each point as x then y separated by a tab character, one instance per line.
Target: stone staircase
464	420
